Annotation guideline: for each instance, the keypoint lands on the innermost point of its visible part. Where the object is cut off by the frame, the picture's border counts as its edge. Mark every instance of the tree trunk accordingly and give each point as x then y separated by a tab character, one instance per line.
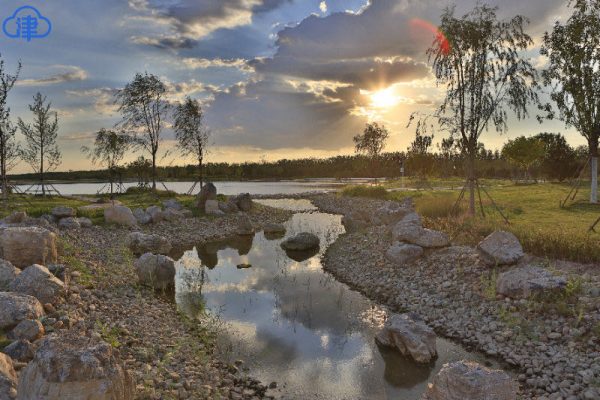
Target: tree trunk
471	183
154	171
594	168
42	171
200	174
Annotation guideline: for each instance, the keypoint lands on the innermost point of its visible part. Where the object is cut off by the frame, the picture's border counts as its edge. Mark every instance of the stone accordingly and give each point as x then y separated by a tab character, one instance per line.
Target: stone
75	368
522	282
16	217
156	271
466	380
155	213
20	350
244	202
172	215
63	212
211	207
301	242
8	378
39	282
140	243
228	207
17	307
119	215
85	222
208	192
69	223
500	248
390	213
410	336
410	230
244	227
432	239
352	223
24	246
173	204
28	329
274	228
8	273
402	253
142	217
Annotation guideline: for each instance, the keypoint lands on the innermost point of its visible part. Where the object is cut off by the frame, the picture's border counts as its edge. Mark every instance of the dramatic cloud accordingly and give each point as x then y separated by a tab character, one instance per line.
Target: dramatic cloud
68	73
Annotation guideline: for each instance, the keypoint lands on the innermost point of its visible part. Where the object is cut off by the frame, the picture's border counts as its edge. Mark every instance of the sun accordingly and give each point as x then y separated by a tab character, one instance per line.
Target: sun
385	98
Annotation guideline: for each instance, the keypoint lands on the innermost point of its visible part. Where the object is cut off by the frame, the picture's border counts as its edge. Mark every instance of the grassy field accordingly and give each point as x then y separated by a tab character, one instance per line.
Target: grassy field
534	212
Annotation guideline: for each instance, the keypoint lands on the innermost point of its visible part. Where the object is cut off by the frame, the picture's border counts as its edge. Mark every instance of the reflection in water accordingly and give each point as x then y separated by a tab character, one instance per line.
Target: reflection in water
295	324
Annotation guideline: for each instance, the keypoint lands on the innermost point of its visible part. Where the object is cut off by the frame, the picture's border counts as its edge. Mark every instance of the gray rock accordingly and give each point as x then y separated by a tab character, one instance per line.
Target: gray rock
8	378
411	336
522	282
156	213
63	212
301	242
156	271
8	273
244	226
119	215
17	307
24	246
16	217
69	223
211	207
172	215
142	217
390	213
20	350
432	239
500	248
228	207
243	202
85	222
76	368
470	381
410	230
402	253
173	204
28	329
39	282
274	228
353	222
208	192
140	243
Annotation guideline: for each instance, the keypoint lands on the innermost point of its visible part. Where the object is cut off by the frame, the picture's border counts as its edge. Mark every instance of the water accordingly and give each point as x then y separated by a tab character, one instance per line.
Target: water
295	324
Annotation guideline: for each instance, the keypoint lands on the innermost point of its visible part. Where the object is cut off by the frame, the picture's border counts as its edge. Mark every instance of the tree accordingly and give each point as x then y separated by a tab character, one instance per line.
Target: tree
144	108
373	139
141	168
109	150
41	150
573	72
477	58
560	159
524	152
9	149
191	133
419	159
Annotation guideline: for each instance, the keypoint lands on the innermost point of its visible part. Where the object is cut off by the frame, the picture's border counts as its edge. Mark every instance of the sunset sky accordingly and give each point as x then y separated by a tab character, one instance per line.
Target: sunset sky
278	78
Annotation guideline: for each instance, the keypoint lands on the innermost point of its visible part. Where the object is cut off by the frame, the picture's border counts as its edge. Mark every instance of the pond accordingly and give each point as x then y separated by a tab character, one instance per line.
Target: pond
293	323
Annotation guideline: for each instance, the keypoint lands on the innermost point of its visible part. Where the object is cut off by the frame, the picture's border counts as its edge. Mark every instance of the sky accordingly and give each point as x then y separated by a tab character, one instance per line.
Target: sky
277	78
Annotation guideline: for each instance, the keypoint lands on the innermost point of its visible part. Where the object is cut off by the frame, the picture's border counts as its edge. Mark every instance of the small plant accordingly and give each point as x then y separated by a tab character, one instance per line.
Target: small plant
109	335
488	285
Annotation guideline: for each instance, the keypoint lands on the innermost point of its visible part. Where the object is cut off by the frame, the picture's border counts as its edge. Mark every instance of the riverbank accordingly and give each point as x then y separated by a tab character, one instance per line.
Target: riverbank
551	344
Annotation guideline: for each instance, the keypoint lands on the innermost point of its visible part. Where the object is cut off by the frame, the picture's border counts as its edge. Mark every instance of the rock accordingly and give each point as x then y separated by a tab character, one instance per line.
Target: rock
155	213
140	243
58	270
353	222
8	273
244	202
16	217
211	207
402	253
24	246
301	242
142	217
208	192
20	350
172	215
500	248
411	336
522	282
274	228
63	212
390	213
17	307
39	282
173	204
8	378
410	230
50	219
228	207
244	227
119	215
432	239
69	223
75	368
28	329
156	271
85	222
470	381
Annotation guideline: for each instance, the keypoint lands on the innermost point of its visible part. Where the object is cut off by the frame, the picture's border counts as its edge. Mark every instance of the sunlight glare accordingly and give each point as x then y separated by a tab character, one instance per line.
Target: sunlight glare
385	98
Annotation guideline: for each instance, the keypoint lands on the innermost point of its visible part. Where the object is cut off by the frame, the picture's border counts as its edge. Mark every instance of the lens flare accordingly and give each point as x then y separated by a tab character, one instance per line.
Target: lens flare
441	40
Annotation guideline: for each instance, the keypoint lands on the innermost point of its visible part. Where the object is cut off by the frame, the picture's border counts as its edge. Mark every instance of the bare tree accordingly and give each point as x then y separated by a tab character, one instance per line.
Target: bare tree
41	150
144	108
191	132
573	50
9	149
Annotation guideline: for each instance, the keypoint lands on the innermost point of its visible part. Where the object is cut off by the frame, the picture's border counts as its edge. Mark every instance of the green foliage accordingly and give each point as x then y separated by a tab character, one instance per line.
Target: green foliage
488	285
108	334
524	152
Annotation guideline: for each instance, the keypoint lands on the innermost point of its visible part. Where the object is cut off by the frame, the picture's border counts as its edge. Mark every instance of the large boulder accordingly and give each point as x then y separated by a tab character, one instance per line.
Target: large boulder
172	215
272	228
20	350
17	217
402	253
28	329
24	246
244	202
411	336
8	273
432	239
69	223
208	192
17	307
39	282
75	368
156	213
464	380
8	378
119	215
173	204
211	207
140	243
390	213
410	230
522	282
63	212
142	217
156	271
500	248
244	226
301	242
228	207
85	222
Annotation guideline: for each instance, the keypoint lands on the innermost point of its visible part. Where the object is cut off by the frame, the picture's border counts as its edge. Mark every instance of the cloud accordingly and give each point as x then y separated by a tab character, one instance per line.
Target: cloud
101	98
204	63
167	43
69	73
78	136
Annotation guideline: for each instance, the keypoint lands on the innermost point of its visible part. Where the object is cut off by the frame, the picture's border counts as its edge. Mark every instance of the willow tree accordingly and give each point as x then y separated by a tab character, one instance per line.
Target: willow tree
573	72
477	58
372	141
9	149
